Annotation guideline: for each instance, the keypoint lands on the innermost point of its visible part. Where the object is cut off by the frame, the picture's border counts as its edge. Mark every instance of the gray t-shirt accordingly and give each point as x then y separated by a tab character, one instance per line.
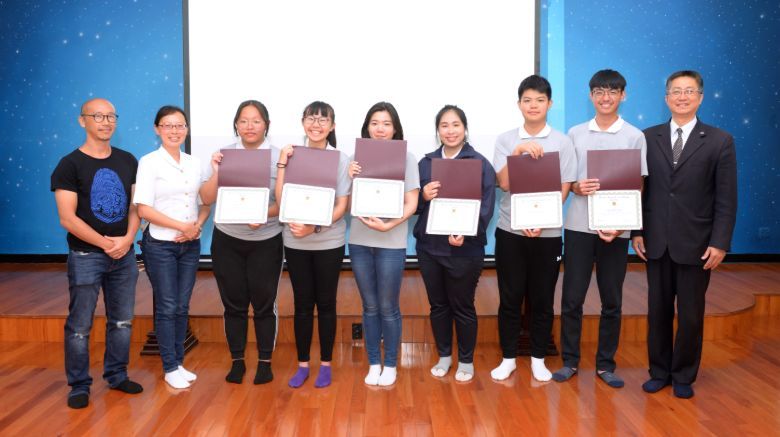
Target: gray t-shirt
269	229
588	136
551	141
394	238
331	236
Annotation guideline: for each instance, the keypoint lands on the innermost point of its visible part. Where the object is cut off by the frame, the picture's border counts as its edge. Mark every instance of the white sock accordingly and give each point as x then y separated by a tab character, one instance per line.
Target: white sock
504	370
387	377
188	376
442	367
540	370
176	380
373	374
465	372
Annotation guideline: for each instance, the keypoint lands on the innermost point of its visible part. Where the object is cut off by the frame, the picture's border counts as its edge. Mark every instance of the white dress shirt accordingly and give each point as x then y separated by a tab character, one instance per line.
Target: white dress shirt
169	187
687	128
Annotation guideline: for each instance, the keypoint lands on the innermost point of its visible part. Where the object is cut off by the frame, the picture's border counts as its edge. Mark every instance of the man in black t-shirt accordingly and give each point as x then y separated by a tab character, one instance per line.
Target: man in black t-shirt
93	187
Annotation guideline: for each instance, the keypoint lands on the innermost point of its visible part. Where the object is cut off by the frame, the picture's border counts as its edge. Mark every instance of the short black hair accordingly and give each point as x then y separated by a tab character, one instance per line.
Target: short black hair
686	73
260	108
168	110
536	83
398	130
609	79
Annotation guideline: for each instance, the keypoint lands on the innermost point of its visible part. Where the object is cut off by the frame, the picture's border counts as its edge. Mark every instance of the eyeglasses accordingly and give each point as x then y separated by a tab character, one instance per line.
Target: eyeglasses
99	117
322	121
180	126
244	123
601	92
677	92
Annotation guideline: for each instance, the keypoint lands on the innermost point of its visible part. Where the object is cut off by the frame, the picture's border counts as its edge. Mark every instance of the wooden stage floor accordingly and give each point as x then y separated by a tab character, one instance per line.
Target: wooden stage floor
737	393
34	303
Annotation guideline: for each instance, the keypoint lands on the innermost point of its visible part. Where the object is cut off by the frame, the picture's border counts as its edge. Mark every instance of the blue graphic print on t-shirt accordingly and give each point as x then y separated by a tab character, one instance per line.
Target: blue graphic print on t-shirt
108	198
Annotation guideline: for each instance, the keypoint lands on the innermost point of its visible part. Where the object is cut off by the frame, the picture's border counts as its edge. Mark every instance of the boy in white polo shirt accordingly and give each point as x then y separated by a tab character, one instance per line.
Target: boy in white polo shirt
582	246
528	260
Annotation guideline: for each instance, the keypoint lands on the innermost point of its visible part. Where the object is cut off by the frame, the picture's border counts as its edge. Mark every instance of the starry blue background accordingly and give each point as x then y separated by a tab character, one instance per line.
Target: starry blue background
56	54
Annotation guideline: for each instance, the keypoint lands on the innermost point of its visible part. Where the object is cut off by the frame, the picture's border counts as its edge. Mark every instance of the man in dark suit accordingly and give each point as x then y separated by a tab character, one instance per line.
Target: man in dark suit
689	210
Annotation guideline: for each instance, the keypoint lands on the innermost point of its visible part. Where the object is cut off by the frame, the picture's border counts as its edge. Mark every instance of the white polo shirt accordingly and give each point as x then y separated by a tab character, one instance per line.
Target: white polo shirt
169	187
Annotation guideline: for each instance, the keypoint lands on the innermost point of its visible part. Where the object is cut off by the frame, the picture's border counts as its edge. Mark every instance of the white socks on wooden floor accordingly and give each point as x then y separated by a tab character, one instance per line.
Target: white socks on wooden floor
187	375
504	370
387	378
374	372
176	380
540	370
465	372
442	367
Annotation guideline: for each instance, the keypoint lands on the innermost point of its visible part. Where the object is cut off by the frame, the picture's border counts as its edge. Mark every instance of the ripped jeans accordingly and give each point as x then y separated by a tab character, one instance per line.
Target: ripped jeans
87	273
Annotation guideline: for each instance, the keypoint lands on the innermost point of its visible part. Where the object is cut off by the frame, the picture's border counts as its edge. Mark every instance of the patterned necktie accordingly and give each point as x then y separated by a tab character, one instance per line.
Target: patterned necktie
677	147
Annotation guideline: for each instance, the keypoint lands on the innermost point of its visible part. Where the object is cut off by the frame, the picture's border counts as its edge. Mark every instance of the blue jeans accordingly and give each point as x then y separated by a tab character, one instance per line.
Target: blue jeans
171	268
87	273
378	273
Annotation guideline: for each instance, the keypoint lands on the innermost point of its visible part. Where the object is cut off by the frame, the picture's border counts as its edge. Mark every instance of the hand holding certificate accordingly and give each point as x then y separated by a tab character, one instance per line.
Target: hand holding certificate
455	210
243	193
618	203
309	189
378	190
535	187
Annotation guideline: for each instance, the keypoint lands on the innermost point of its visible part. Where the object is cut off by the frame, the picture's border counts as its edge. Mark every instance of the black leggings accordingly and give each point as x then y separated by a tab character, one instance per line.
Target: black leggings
314	275
248	272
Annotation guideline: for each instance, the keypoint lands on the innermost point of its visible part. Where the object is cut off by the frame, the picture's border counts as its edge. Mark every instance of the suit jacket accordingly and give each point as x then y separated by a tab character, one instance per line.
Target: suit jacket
694	204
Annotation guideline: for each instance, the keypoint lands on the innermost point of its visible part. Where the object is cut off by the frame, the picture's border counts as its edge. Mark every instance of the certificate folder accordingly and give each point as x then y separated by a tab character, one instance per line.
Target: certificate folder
528	175
616	169
245	168
381	159
459	178
314	167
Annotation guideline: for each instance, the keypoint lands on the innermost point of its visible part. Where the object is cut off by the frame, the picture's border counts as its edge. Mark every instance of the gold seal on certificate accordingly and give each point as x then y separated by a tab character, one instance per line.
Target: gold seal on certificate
307	204
453	217
242	205
377	198
536	210
615	209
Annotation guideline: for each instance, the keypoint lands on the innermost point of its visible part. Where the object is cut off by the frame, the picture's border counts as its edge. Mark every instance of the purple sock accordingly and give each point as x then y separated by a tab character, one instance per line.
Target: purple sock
323	378
300	377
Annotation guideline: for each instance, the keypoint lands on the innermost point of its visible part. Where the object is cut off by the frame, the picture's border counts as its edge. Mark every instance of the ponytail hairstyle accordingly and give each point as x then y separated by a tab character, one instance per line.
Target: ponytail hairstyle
323	110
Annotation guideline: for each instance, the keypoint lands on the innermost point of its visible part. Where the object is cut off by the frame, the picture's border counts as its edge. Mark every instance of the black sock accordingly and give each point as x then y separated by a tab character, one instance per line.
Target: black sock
129	387
78	401
237	371
264	374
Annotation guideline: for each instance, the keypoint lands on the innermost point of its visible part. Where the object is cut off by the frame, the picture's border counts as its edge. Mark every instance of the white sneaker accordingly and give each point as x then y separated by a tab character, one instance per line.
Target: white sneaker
176	380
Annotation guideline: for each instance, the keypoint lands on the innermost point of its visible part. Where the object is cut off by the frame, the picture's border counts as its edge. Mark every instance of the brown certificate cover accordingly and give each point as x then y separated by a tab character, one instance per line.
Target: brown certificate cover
619	169
528	175
460	178
245	168
315	167
381	159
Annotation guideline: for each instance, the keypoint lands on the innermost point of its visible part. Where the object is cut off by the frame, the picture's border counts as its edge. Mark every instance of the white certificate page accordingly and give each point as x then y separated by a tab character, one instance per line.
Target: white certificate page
536	210
453	217
307	204
242	205
377	198
615	210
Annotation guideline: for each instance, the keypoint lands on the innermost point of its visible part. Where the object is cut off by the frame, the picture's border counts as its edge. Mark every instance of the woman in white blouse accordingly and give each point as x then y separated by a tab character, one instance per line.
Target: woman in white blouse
166	193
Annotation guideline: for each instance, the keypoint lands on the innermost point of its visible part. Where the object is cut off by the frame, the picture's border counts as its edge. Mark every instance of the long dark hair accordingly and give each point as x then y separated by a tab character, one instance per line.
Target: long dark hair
260	108
322	109
398	130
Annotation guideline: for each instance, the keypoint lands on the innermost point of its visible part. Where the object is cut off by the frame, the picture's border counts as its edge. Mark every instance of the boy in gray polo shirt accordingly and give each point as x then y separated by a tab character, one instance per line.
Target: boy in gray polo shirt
583	247
528	261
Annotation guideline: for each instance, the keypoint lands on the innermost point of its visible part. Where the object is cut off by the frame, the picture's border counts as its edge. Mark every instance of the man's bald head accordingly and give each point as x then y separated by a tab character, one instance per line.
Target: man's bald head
99	102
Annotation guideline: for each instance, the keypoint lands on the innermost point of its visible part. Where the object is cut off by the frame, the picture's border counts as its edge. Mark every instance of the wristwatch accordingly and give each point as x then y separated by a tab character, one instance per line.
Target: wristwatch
317	229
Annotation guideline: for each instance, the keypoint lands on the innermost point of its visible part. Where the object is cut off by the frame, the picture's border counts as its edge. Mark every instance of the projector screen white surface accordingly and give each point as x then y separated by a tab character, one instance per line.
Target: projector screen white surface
418	55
